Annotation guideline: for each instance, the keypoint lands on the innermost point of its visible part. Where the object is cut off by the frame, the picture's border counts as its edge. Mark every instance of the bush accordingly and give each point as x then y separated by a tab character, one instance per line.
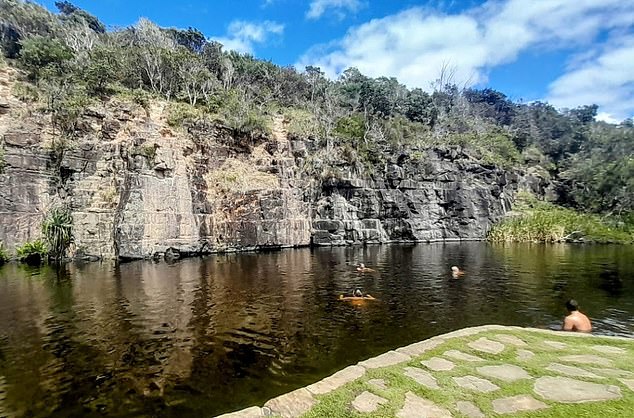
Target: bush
58	231
537	221
26	92
38	53
351	127
181	113
32	252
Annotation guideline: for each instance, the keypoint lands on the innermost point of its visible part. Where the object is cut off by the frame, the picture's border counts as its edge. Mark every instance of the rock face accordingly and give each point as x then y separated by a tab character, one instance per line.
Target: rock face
140	188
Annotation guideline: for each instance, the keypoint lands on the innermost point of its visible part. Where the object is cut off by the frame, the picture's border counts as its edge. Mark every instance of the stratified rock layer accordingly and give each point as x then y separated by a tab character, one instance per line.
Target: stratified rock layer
138	187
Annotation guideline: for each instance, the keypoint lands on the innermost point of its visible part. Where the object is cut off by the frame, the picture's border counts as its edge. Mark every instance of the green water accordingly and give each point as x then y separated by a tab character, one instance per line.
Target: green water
205	336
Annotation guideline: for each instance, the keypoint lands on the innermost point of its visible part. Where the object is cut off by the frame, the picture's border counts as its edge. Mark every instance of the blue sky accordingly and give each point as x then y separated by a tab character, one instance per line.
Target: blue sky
567	52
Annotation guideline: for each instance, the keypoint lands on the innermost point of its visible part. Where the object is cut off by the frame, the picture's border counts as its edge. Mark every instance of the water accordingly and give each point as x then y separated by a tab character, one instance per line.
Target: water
205	336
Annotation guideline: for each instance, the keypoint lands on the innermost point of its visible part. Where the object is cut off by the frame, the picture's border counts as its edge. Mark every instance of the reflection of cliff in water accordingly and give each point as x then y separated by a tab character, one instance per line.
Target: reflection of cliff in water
203	336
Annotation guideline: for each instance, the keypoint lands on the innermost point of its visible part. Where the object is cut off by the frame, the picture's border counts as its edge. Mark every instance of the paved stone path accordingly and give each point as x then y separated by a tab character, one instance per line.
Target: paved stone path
464	374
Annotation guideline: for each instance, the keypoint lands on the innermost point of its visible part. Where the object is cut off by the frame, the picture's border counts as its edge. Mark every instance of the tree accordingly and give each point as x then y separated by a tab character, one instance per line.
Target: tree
72	12
191	38
39	53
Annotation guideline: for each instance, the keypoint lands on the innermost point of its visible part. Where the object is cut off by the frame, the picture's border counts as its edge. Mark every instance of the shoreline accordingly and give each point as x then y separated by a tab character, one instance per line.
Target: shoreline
296	403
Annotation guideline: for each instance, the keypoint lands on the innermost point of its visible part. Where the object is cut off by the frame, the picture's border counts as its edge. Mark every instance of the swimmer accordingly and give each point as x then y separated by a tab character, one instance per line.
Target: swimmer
576	321
363	269
456	272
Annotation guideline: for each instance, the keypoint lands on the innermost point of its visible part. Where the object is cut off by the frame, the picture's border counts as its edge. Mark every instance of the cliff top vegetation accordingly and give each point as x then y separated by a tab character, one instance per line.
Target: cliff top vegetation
70	60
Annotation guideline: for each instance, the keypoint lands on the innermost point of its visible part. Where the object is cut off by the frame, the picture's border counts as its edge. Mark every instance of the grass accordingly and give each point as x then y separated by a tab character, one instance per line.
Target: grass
545	222
337	404
239	176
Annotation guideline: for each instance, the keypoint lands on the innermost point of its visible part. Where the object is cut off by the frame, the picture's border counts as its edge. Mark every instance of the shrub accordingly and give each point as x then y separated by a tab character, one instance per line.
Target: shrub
537	221
32	252
40	52
58	231
26	92
181	113
351	127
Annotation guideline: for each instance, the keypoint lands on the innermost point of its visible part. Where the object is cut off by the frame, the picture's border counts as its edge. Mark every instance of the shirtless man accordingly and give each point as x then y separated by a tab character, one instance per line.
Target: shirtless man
576	321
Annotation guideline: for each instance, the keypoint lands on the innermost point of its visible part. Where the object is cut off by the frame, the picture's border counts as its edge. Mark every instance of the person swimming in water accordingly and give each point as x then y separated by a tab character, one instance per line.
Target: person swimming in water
363	269
576	321
456	272
357	293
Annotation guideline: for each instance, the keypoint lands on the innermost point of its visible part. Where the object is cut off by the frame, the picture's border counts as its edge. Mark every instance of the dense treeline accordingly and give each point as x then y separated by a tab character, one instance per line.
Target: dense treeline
71	60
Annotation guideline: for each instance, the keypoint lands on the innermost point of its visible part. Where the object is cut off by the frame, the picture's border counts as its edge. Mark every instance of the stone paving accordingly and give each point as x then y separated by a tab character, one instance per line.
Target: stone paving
464	374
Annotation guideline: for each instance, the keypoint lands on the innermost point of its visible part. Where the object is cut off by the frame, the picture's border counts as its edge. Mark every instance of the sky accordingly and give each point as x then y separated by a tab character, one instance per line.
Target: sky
568	53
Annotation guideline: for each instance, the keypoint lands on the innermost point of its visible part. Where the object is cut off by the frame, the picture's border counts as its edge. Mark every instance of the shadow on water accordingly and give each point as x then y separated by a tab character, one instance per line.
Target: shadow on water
199	337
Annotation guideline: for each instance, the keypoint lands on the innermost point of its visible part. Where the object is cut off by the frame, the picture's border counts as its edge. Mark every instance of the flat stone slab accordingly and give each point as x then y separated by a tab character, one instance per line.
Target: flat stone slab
421	377
566	390
525	355
555	344
417	407
336	380
518	403
587	359
419	348
504	372
487	346
438	364
292	404
378	383
367	402
384	360
469	409
612	372
510	339
629	383
476	384
459	355
607	349
572	371
253	412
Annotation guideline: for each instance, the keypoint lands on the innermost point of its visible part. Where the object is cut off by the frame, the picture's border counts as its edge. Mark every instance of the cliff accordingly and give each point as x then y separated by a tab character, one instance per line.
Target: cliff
138	187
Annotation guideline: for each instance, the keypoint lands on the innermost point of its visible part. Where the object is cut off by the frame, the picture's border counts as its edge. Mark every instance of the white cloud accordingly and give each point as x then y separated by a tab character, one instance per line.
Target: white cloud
415	44
318	7
242	36
606	79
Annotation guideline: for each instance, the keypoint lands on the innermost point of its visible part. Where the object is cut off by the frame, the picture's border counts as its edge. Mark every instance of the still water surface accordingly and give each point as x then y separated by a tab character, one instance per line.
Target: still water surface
204	336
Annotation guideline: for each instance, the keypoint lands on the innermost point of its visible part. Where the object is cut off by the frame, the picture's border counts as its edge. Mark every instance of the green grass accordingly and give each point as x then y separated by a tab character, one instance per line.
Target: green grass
338	403
545	222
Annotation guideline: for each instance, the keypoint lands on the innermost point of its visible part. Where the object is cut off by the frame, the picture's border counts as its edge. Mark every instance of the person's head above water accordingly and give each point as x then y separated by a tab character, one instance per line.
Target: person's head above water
572	305
455	269
361	265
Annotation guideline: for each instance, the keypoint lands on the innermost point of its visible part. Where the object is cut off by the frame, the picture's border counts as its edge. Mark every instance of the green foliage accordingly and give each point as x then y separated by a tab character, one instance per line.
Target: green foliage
4	255
494	147
537	221
25	92
180	114
32	252
103	68
600	178
58	231
72	12
67	108
39	53
301	123
351	127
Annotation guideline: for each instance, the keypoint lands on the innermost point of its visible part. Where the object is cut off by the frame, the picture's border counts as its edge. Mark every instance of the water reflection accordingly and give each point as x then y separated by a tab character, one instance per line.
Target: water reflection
203	336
